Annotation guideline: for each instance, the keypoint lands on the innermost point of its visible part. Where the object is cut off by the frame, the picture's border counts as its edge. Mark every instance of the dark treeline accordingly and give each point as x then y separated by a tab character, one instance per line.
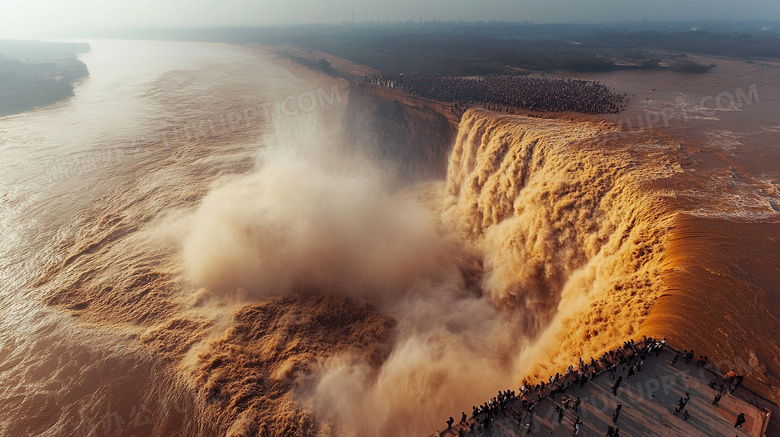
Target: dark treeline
465	48
40	51
34	73
734	44
453	54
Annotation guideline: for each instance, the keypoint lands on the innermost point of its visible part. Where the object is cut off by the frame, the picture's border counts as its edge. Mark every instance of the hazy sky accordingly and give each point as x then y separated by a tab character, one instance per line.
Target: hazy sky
48	17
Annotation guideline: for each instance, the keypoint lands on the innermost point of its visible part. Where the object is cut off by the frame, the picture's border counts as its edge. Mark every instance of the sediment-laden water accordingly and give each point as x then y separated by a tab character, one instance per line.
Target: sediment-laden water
189	248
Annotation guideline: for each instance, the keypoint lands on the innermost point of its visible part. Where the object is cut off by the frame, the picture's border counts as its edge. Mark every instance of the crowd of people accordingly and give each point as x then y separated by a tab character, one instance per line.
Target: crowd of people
506	92
521	405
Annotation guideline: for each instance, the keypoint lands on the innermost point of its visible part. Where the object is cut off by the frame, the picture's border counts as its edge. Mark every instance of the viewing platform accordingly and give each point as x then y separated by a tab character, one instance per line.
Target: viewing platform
648	397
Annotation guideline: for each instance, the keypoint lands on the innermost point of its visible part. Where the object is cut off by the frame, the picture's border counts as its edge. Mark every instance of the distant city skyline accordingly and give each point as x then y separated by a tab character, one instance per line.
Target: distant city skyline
43	18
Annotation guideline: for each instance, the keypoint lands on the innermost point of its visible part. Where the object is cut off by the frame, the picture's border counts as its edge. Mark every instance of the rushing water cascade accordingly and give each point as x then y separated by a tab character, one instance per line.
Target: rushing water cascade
175	261
516	264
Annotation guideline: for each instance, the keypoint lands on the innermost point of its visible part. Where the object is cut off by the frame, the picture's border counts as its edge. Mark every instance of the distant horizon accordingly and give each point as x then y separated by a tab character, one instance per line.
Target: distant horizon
50	18
773	26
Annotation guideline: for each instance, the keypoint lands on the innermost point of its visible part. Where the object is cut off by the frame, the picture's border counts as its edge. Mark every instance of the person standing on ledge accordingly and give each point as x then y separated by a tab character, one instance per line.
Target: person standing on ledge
740	420
737	382
577	425
617	385
616	414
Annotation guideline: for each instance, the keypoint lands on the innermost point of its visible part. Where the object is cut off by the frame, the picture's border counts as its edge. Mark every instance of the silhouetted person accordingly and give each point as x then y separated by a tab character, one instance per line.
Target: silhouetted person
737	382
616	385
463	417
617	412
617	433
714	381
679	407
717	399
577	404
450	421
740	420
577	426
610	431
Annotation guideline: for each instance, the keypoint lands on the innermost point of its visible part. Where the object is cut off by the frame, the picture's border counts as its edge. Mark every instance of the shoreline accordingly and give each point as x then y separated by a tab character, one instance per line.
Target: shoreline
37	81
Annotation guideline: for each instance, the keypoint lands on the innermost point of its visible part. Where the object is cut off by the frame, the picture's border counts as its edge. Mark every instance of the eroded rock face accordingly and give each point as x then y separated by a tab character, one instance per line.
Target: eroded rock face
412	136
